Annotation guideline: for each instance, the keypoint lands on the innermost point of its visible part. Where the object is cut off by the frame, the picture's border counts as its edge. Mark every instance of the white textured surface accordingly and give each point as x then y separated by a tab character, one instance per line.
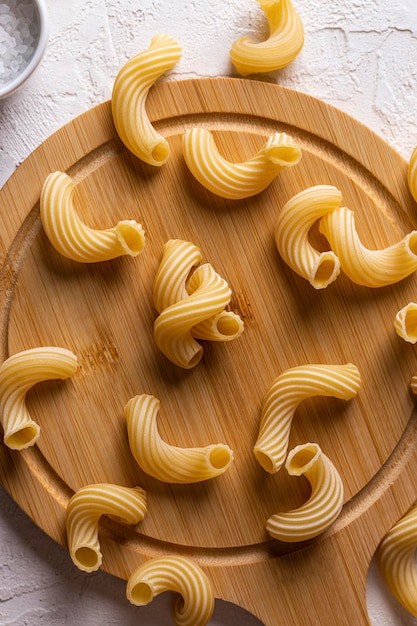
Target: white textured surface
359	56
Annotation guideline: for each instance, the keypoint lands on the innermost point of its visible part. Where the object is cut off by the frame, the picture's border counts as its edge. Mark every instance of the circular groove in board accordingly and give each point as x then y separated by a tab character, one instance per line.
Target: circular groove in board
104	313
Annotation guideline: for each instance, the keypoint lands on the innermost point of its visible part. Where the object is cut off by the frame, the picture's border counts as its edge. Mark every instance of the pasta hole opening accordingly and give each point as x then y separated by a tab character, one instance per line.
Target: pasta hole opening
220	457
285	155
141	594
301	458
327	270
87	559
265	461
229	325
131	236
195	359
160	152
22	438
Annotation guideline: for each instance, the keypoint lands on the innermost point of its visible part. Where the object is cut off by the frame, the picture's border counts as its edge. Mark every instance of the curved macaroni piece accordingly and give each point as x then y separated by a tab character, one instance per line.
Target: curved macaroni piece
74	239
285	394
84	509
19	373
225	326
292	230
236	181
221	326
396	560
128	102
412	174
195	604
173	284
208	295
178	259
370	268
284	43
324	503
405	323
167	463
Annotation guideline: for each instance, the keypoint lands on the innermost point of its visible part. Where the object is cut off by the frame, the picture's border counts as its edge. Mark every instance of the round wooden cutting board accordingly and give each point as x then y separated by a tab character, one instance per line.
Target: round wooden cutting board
104	313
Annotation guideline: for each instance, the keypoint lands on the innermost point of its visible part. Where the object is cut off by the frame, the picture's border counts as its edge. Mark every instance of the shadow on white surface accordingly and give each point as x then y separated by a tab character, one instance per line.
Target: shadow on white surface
39	585
383	608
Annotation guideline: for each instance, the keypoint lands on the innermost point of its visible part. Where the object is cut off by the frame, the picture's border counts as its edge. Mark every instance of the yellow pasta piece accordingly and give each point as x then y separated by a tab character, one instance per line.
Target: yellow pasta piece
324	504
370	268
84	510
220	326
172	284
178	259
174	328
284	43
412	174
405	323
128	102
396	560
19	373
285	394
224	326
74	239
292	234
168	463
236	181
195	604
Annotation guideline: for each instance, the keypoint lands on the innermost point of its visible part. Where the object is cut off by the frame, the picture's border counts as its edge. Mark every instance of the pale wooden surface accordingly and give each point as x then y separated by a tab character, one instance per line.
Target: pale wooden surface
105	314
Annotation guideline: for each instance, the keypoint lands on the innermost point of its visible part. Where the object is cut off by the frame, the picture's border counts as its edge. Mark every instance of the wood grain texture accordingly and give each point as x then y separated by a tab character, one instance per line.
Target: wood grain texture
104	313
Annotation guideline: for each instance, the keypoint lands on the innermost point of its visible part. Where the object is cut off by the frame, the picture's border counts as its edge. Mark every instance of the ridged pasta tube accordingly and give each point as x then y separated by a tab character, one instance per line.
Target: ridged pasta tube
292	234
18	374
178	259
405	322
220	326
128	102
195	604
324	504
225	326
412	174
284	43
170	464
370	268
285	394
72	238
208	295
236	181
84	510
173	284
396	560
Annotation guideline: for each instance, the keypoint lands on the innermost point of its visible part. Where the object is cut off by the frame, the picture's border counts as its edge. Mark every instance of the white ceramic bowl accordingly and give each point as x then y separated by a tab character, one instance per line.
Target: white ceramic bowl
41	15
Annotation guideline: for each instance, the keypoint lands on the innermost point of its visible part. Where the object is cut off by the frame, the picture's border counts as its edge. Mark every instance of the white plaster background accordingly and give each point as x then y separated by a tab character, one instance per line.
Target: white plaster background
360	56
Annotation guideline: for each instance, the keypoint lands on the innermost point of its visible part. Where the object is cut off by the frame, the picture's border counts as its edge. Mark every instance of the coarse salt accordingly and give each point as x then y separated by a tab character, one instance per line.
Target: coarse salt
18	36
